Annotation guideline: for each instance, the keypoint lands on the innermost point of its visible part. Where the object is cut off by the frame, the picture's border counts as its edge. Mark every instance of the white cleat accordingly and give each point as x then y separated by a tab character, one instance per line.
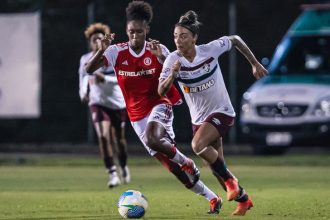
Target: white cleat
113	180
126	176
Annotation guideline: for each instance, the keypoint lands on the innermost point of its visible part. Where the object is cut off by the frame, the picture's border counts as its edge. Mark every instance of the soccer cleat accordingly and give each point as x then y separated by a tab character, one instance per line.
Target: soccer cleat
191	170
113	180
232	189
126	176
215	206
243	207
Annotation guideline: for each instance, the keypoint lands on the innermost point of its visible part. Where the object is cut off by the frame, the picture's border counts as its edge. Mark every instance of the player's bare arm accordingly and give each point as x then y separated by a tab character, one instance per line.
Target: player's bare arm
257	69
156	50
165	84
97	60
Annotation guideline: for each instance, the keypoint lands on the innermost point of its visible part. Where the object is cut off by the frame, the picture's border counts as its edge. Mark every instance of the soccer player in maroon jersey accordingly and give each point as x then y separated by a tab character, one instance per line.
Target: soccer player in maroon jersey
197	70
107	106
138	64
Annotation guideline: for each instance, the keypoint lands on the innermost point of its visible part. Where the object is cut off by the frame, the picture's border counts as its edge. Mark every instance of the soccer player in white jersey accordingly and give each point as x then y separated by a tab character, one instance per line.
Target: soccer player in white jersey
198	73
107	106
138	64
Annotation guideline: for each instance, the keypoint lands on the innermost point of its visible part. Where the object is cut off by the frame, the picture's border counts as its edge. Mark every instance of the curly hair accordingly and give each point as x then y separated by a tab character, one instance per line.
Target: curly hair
190	21
96	28
139	10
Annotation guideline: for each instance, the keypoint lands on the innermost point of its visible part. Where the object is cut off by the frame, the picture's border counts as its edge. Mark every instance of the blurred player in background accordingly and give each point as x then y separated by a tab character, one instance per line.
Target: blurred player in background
198	73
138	64
107	106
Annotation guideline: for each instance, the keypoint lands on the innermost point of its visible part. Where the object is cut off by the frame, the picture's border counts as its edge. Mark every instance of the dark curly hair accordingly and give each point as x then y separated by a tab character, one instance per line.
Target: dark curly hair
96	28
190	21
139	10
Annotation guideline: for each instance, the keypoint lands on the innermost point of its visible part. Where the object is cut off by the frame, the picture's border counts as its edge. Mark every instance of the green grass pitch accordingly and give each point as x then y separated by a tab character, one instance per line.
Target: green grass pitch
62	187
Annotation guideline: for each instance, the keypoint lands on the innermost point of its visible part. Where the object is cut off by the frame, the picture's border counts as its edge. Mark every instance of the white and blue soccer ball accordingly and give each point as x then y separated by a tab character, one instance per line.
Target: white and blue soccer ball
132	204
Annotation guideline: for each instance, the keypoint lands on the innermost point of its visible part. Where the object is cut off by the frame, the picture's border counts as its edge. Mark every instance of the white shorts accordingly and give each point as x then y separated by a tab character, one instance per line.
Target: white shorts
162	114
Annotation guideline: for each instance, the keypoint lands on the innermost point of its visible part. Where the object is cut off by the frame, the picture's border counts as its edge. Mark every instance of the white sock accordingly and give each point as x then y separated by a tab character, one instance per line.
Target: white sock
201	189
112	169
179	157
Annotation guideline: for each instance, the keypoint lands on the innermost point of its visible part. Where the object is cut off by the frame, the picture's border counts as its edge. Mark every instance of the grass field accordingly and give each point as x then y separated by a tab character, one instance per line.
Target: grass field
63	187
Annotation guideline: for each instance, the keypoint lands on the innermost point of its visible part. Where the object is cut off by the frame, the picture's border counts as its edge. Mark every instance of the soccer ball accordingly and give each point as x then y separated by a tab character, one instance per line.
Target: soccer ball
132	204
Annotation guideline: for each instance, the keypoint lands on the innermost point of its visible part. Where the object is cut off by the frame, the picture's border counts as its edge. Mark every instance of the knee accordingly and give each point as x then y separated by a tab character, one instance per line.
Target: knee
198	145
103	136
152	141
102	133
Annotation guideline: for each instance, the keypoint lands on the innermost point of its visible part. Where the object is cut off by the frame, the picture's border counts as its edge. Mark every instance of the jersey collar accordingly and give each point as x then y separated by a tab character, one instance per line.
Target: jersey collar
141	53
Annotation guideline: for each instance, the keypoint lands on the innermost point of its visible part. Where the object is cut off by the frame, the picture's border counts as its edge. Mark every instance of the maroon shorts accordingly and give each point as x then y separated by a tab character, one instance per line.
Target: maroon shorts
221	122
116	117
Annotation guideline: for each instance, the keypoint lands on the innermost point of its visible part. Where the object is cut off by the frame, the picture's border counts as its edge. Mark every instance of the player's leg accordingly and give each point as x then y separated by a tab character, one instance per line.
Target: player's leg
188	180
244	201
159	136
217	145
102	126
175	169
119	125
207	134
158	140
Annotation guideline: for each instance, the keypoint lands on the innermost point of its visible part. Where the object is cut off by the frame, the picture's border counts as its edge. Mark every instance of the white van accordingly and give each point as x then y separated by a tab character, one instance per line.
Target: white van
291	106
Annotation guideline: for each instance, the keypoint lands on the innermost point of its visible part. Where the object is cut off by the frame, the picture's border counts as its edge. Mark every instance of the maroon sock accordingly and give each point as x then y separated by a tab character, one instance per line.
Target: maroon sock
219	169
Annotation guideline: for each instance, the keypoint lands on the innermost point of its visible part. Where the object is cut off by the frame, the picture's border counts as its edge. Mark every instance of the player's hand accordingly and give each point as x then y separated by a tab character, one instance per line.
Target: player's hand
99	77
155	48
259	71
106	41
176	67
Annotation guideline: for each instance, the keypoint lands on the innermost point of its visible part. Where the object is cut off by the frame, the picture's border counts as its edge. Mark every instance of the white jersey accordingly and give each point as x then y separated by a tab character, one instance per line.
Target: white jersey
201	81
107	94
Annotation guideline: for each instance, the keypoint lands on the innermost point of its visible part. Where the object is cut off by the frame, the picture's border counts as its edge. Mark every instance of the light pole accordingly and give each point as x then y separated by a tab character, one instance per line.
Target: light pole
90	20
232	66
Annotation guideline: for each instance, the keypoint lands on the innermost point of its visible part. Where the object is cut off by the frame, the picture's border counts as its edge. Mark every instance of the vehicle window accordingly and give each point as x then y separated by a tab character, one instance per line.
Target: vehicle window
306	55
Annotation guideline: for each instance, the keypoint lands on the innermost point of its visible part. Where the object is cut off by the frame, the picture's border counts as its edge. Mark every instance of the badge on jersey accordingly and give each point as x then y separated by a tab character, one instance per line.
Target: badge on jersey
147	61
207	67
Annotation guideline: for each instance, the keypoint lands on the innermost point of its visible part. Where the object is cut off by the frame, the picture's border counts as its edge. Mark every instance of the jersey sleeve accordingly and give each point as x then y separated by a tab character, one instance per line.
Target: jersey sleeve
110	55
169	61
165	52
83	78
219	46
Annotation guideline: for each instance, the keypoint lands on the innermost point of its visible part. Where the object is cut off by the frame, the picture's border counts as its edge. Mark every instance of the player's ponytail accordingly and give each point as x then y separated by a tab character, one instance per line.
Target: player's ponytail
190	21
